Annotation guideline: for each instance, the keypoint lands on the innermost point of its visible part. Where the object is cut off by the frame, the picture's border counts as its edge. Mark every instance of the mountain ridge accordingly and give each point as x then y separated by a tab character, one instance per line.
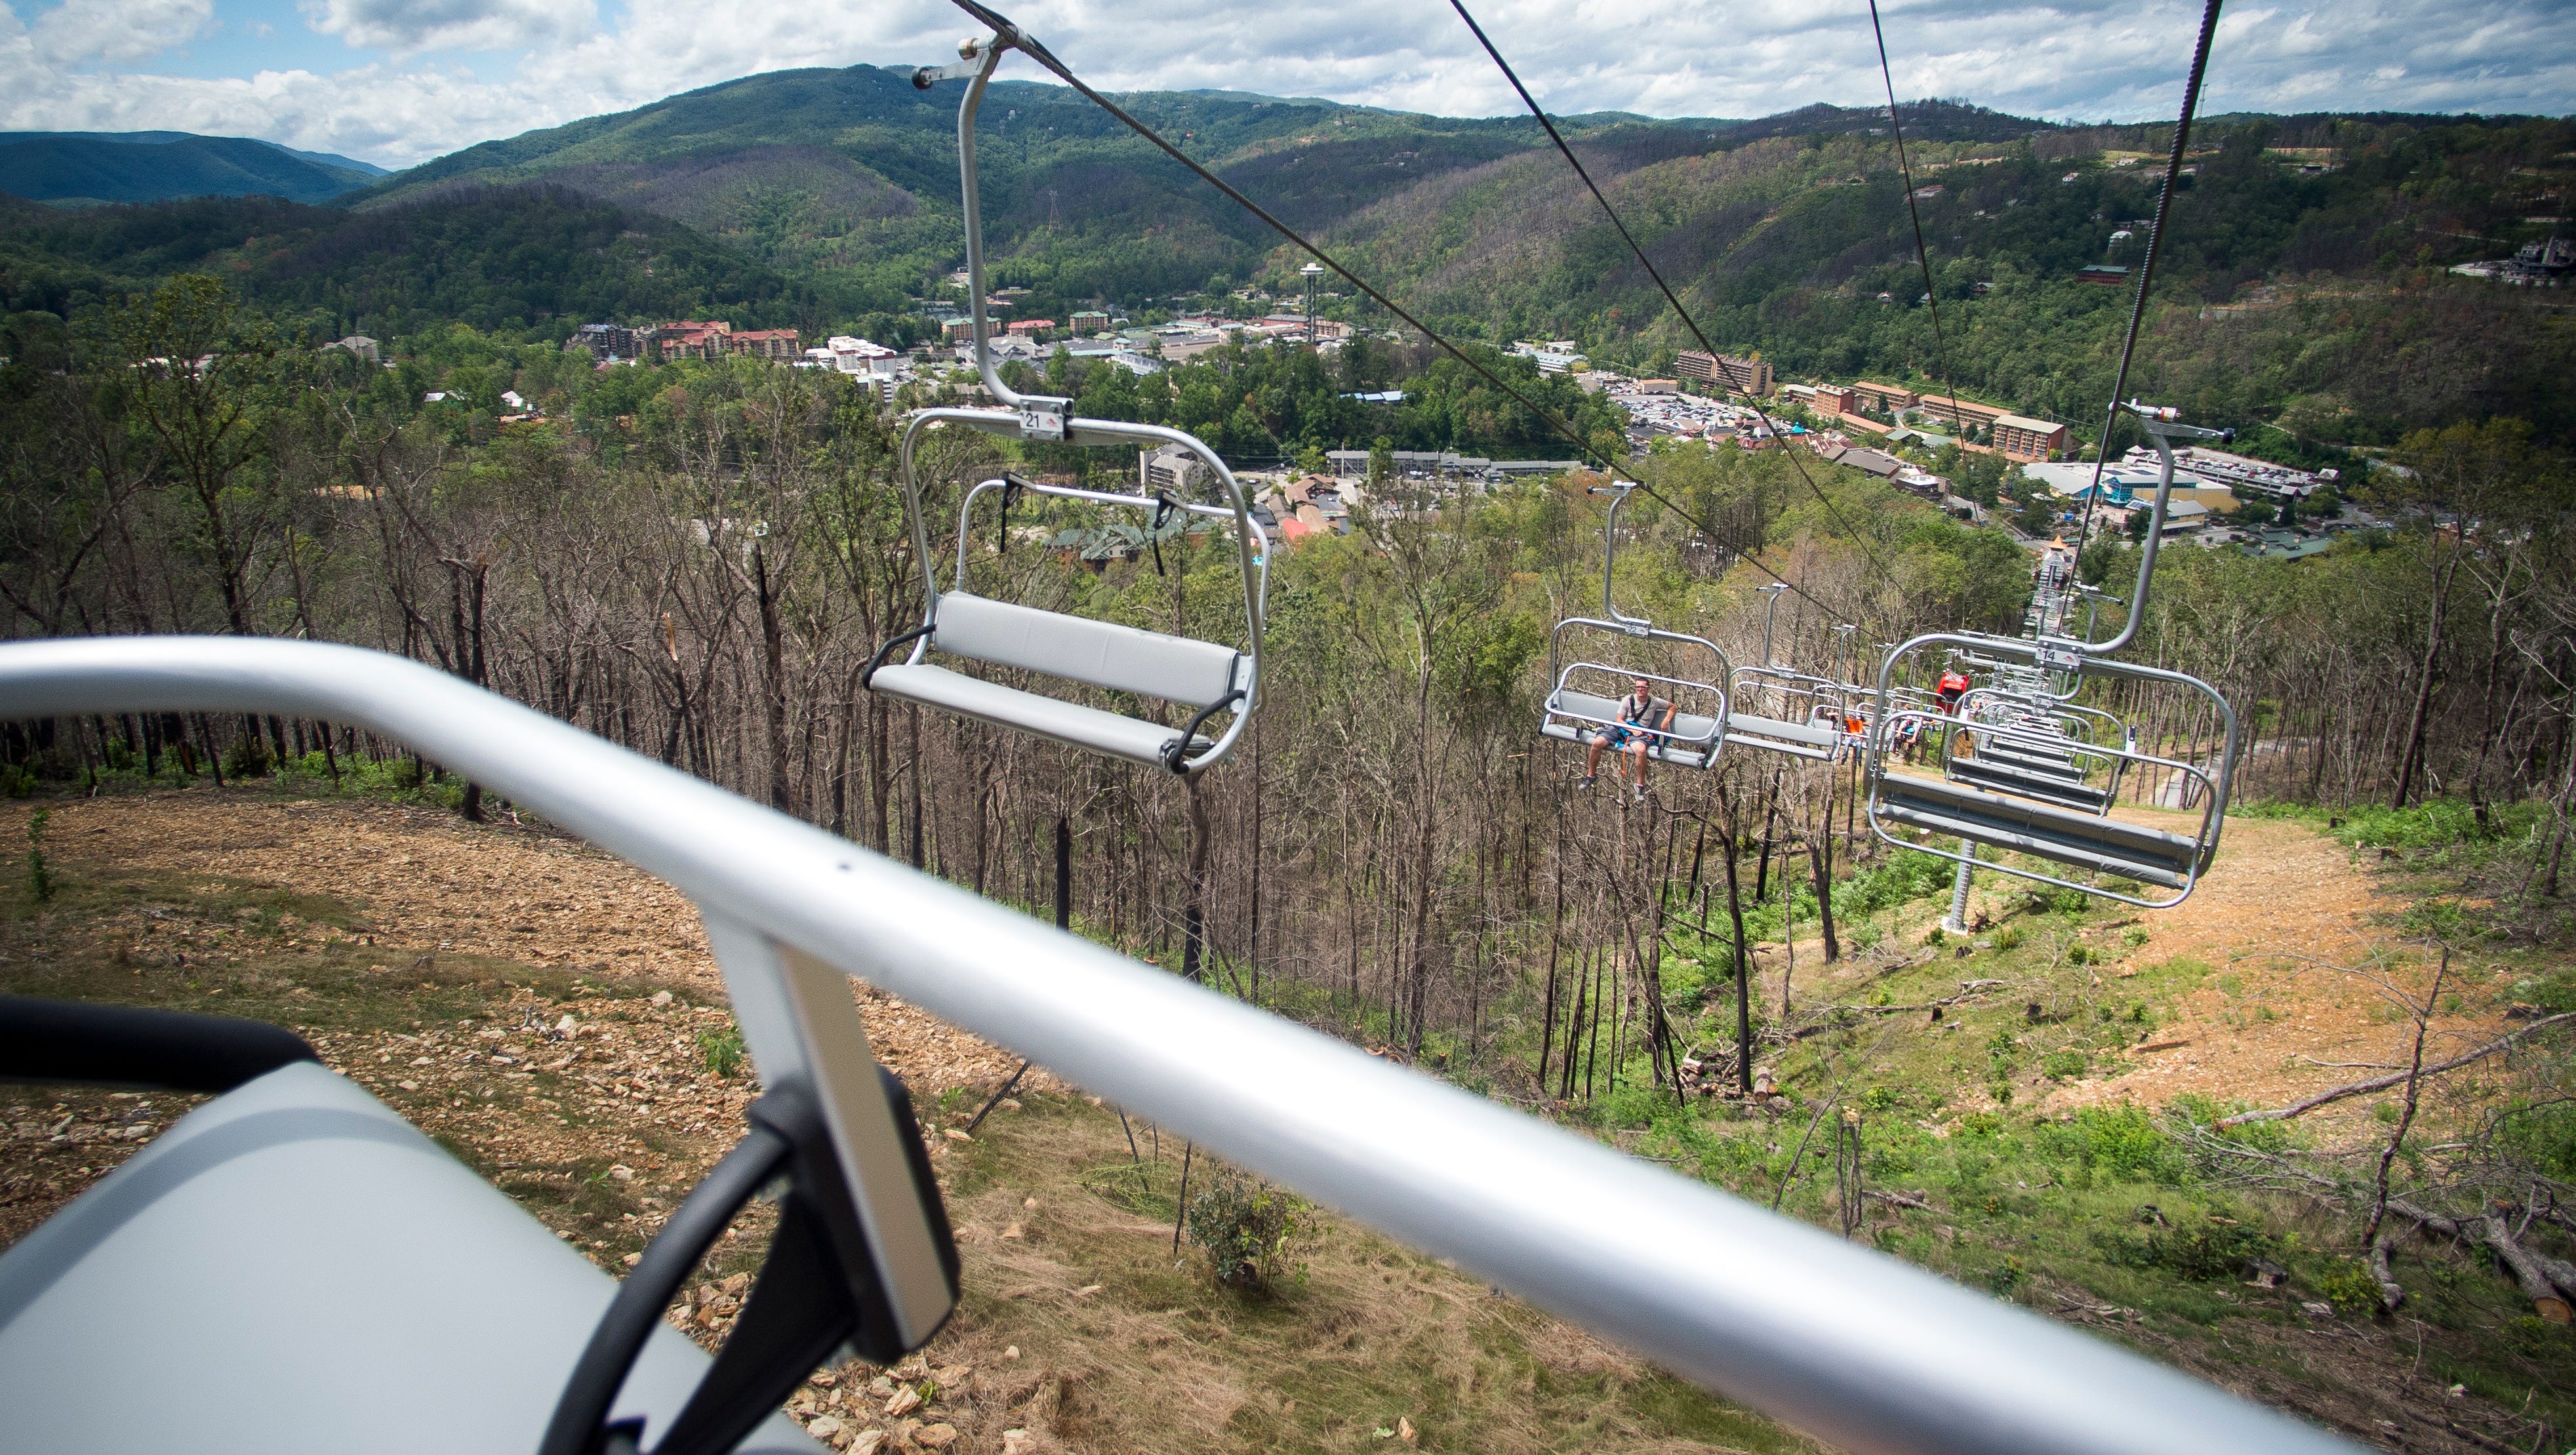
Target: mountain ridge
85	167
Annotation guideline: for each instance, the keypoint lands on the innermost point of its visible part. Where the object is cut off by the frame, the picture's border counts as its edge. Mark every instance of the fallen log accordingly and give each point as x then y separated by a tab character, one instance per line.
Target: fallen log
2394	1078
2549	1283
2391	1293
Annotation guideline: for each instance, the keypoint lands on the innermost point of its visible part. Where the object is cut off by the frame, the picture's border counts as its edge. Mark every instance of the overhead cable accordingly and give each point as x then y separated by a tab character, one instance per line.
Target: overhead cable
1922	255
1029	46
1717	363
2147	267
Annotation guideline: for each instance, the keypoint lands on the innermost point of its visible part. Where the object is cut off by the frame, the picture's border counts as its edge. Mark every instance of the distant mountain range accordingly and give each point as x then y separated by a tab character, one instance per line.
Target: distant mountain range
152	166
827	200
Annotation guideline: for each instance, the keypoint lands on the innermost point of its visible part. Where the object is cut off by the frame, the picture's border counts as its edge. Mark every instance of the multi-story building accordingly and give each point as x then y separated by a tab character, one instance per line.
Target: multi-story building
1170	468
1739	376
765	343
1890	397
1038	329
688	339
1962	411
859	356
604	341
1836	398
2036	440
1087	322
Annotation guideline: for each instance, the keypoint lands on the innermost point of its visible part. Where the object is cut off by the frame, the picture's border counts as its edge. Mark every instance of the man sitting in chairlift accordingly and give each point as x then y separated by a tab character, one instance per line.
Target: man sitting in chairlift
1641	715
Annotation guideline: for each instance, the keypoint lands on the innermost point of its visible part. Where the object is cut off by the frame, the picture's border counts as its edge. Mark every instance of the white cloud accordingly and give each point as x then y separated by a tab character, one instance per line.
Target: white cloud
78	32
2088	59
406	27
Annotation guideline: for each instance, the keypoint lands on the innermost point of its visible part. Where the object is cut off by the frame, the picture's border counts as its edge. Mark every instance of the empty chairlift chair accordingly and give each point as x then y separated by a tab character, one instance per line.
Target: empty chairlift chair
2029	782
1779	710
1199	679
1584	694
2036	747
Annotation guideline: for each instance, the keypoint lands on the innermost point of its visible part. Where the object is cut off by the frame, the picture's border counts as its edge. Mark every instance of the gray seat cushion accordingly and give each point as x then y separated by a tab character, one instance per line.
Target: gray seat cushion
293	1268
2083	840
1695	742
1779	735
1133	739
1102	653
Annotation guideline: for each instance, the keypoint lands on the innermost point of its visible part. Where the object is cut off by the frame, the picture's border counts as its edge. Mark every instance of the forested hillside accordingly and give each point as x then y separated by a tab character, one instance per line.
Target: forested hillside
86	167
2302	288
2312	301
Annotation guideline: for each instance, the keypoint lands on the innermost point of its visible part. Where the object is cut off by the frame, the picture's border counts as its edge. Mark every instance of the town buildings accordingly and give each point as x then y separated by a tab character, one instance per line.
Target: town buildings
2018	437
764	343
1740	376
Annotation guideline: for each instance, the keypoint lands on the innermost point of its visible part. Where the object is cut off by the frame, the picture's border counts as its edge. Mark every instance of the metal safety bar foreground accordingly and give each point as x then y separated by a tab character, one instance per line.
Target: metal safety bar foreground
1852	1346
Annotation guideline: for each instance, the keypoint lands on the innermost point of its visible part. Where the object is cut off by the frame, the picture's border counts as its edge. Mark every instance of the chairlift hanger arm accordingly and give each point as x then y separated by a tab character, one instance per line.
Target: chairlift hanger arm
1029	46
2163	426
1041	416
1618	494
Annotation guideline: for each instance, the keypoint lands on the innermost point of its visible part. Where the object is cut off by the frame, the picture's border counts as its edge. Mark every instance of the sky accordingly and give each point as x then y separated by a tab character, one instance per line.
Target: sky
397	82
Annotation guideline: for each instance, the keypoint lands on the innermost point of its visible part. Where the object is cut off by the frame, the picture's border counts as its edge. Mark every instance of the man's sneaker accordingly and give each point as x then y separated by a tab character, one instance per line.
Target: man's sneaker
1587	781
1641	793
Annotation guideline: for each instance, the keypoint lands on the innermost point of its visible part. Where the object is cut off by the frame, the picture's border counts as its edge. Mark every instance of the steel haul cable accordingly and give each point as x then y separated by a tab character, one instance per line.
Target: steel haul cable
1653	272
1028	45
2147	267
1922	255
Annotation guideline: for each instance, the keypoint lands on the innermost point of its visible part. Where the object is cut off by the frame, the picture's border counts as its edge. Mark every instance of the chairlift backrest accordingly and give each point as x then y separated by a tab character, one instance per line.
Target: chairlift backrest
1208	677
1781	710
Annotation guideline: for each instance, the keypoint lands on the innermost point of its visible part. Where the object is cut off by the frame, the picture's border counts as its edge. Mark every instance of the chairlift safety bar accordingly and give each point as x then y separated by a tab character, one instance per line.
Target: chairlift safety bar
1855	1347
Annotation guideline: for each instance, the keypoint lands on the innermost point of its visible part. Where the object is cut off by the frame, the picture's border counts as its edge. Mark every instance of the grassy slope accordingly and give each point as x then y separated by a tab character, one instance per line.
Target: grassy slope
1067	1236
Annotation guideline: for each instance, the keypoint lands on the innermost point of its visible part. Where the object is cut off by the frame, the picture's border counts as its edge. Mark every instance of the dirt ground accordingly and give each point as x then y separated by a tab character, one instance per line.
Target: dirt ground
550	1012
547	1012
2295	933
432	885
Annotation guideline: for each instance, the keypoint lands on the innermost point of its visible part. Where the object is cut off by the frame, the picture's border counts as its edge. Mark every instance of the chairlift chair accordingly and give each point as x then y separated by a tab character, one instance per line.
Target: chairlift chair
1805	712
1205	678
2031	785
1575	714
305	1271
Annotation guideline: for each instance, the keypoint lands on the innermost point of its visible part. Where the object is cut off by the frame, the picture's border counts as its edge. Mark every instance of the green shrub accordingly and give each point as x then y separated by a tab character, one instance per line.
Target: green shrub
2062	1065
2348	1284
2203	1251
723	1049
2004	1277
1243	1225
247	757
40	875
2531	1336
16	780
2119	1143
